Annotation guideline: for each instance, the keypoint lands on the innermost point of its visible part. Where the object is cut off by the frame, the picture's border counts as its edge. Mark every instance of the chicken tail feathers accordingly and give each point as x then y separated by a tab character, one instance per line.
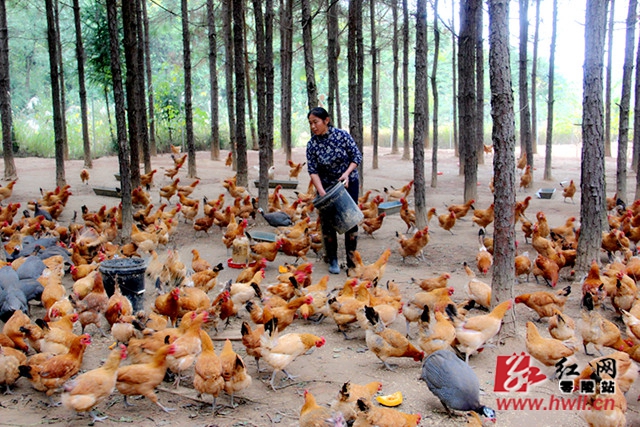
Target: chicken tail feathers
371	315
452	312
587	301
566	291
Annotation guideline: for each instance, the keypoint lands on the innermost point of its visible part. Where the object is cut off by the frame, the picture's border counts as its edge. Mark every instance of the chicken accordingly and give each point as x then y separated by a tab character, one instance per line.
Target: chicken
250	273
266	250
167	305
117	306
206	280
385	343
432	283
523	264
251	341
6	191
568	191
348	396
179	161
414	245
484	260
407	215
229	160
143	378
146	179
593	285
168	191
462	209
186	190
12	329
295	169
189	212
370	210
197	263
233	189
547	351
208	377
548	269
370	415
520	208
187	346
91	309
279	351
296	247
89	389
603	413
473	333
436	332
139	197
84	285
398	194
312	414
192	299
370	272
9	371
483	217
284	314
614	241
234	371
599	331
454	383
233	231
526	178
545	303
84	176
478	291
51	373
369	225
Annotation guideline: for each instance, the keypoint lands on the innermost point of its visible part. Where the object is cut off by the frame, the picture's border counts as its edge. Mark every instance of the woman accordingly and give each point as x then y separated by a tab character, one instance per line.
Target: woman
332	157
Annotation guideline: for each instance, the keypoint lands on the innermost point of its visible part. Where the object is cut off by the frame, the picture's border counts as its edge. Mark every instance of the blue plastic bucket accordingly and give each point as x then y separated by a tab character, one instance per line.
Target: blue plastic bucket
338	207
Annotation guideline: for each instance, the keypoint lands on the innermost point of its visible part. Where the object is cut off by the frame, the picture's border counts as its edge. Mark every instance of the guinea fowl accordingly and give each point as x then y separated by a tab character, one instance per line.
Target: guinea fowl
39	211
454	383
276	219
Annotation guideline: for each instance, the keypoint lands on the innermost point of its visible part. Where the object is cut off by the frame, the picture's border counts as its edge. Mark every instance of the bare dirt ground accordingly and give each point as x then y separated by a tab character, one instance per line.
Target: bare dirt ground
326	369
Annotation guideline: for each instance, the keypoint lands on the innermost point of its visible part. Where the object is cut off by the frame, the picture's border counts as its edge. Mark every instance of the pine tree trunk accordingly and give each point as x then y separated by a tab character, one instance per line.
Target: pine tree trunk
229	73
434	90
62	86
551	100
406	154
286	53
396	89
523	79
480	89
153	148
131	58
307	41
467	105
213	81
534	82
625	100
121	124
261	87
239	64
141	96
5	98
592	185
504	140
188	97
374	86
332	58
86	142
270	78
607	94
454	85
55	93
249	86
420	121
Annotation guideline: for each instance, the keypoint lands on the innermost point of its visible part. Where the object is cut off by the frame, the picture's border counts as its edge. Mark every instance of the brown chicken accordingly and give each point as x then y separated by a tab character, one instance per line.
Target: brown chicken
251	341
187	346
598	330
547	269
483	217
484	259
312	414
569	191
478	291
197	263
186	190
284	314
603	413
432	283
91	388
547	351
91	309
413	246
234	230
84	176
473	333
5	192
208	377
192	299
370	272
296	247
370	225
526	178
266	250
545	303
295	169
462	209
447	221
234	371
229	160
142	379
280	351
370	415
403	192
407	215
168	191
9	363
594	285
521	207
117	306
12	329
167	305
49	374
436	332
626	371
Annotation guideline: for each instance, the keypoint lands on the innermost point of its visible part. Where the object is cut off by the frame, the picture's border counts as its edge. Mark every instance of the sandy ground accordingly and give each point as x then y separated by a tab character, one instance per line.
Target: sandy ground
326	369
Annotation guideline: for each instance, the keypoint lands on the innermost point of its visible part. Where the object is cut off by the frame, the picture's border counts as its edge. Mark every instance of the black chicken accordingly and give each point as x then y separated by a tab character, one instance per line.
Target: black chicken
276	219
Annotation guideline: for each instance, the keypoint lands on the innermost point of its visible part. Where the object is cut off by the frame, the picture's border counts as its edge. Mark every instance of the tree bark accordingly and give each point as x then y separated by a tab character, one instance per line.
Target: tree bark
523	79
121	125
5	98
261	87
420	121
406	154
607	94
307	41
592	185
333	51
249	86
550	101
636	119
131	58
356	72
434	90
62	86
534	82
625	100
396	88
141	96
270	78
480	89
86	142
503	137
469	10
188	97
454	84
238	54
55	93
153	148
374	86
229	73
213	81
286	54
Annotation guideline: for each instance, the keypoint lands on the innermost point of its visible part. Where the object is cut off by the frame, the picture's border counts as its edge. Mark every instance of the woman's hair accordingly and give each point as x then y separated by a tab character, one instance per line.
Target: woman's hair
318	112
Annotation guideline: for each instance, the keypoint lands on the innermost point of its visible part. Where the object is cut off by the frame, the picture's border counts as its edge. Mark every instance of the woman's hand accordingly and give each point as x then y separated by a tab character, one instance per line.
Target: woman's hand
344	179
